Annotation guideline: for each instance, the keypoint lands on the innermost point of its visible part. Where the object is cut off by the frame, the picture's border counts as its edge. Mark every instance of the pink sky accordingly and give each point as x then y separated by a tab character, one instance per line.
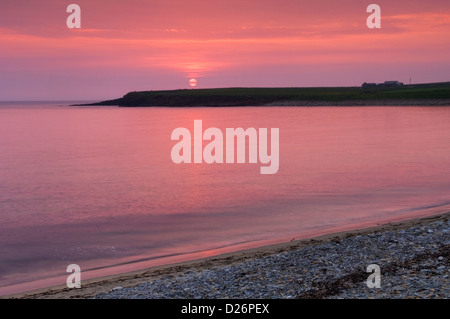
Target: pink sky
160	44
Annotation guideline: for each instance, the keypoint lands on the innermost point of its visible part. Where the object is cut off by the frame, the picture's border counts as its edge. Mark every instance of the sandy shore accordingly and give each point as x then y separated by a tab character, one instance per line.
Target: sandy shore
91	288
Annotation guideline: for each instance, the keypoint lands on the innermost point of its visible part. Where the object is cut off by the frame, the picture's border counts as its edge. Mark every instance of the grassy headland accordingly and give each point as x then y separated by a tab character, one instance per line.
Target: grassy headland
417	94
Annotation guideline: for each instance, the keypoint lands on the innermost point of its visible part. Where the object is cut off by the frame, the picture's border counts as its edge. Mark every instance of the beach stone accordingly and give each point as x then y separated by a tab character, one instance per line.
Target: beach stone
412	264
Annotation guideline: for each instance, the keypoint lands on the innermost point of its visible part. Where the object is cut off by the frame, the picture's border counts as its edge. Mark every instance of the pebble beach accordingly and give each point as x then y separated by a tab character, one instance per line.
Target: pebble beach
413	258
413	262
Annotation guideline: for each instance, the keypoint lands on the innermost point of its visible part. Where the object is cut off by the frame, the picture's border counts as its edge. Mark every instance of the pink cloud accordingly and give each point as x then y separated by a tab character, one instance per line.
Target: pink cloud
237	40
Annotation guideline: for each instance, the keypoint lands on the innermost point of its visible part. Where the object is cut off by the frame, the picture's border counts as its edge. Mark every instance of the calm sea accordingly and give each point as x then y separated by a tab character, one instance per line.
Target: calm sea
96	186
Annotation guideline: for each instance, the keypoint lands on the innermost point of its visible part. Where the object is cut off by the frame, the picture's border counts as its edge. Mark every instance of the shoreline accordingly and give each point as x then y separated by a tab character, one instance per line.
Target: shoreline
299	103
93	287
350	103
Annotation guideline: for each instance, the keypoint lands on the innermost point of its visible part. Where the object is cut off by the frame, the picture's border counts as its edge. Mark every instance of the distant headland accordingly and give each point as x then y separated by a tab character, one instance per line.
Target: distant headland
388	93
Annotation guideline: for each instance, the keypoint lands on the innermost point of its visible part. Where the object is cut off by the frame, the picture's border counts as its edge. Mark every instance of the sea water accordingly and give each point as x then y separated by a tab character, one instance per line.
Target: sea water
97	187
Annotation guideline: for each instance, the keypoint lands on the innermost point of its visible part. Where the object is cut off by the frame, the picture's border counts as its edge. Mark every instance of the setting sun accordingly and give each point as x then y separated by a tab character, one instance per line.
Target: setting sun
193	83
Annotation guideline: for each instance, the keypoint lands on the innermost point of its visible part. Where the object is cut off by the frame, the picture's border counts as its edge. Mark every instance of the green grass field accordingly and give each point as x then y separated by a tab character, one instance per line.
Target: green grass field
263	96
